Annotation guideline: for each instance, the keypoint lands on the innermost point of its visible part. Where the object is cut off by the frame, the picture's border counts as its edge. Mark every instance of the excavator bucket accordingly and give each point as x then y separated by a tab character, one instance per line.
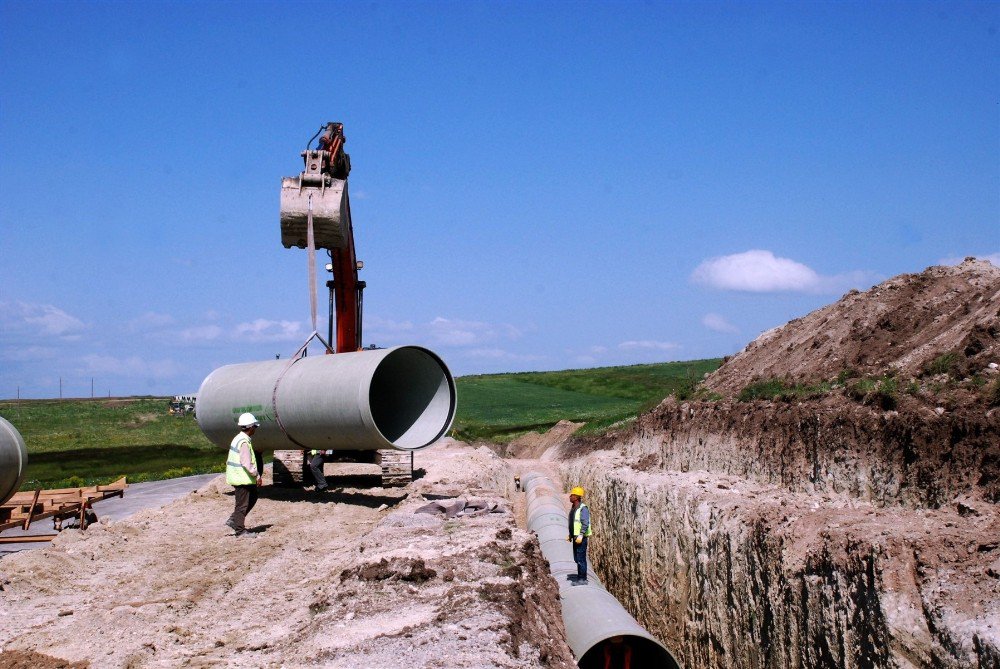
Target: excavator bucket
331	214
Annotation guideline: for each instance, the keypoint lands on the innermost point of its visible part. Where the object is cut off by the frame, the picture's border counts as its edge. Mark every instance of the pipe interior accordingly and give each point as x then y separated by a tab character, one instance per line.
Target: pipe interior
610	653
412	398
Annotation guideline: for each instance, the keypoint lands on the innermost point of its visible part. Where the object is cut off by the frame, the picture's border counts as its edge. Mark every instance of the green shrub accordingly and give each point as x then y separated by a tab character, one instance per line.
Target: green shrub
846	374
946	363
779	390
881	392
764	389
993	394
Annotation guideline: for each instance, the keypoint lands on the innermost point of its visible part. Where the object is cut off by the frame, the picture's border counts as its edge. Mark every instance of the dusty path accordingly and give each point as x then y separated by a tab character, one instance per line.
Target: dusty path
139	496
354	579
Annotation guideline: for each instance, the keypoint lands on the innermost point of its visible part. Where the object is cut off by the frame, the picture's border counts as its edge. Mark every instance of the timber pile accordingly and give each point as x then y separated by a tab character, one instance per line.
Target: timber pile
60	504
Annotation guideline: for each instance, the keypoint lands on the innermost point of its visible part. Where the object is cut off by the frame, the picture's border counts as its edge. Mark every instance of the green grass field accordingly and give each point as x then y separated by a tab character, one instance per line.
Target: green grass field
86	442
498	407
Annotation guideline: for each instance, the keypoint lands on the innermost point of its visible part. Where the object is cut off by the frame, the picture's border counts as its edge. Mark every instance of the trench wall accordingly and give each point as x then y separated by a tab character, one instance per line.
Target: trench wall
914	458
729	573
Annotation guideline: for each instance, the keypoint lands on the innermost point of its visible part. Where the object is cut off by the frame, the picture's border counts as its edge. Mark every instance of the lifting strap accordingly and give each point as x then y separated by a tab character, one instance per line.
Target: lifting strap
300	353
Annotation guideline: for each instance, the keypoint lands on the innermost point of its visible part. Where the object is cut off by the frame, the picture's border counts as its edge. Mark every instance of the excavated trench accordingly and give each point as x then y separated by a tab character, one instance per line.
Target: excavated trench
832	547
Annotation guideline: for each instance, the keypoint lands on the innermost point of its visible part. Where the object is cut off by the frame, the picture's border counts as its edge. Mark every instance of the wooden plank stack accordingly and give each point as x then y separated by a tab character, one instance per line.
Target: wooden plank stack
61	504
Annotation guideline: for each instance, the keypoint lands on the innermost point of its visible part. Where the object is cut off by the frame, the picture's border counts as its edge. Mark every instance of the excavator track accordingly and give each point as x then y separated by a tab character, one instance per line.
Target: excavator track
290	468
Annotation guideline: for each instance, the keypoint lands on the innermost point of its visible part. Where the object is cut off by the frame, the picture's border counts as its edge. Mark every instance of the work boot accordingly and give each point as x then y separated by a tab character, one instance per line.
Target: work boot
571	577
579	581
231	525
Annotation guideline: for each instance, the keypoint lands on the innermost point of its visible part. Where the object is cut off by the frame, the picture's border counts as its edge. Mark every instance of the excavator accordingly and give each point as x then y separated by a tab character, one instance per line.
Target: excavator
321	189
316	214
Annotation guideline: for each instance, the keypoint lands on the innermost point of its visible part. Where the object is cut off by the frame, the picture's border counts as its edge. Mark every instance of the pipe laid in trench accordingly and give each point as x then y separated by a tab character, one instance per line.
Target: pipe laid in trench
597	626
13	460
402	398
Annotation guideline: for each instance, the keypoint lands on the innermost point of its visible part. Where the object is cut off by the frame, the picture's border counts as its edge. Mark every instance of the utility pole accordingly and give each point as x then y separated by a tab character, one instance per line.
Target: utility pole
60	387
91	387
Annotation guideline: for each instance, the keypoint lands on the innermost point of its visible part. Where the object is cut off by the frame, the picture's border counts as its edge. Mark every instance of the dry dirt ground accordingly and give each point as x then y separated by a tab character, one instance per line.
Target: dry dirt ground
354	579
901	327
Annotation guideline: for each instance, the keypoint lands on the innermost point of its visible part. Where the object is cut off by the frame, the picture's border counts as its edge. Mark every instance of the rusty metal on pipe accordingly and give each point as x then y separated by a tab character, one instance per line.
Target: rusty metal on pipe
598	628
402	398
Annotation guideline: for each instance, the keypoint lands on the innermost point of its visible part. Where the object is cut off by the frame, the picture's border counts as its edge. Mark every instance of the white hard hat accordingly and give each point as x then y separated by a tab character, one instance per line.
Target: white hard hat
246	420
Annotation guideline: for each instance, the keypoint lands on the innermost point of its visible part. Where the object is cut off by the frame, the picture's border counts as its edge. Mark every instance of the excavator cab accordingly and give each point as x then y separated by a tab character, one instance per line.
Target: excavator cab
322	188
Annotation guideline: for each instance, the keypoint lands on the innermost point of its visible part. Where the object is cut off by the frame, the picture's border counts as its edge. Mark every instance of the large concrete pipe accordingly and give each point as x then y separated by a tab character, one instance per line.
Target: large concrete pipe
597	626
13	460
402	398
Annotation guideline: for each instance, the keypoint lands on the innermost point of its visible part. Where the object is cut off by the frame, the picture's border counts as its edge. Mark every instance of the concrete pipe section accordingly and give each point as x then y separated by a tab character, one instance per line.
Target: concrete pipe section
599	630
401	398
13	460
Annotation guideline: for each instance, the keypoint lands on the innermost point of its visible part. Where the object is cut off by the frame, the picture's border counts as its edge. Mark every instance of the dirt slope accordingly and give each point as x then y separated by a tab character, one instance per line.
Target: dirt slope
355	579
900	326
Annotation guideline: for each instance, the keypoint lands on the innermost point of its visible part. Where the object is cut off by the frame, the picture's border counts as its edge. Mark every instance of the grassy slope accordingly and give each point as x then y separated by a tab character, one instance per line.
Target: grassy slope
84	442
500	406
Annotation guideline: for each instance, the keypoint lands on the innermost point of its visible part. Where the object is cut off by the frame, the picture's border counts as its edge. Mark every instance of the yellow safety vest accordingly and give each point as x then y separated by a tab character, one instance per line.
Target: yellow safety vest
236	474
577	523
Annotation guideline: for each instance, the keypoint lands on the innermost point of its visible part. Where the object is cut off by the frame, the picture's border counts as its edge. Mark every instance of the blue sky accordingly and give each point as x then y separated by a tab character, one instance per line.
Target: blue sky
535	185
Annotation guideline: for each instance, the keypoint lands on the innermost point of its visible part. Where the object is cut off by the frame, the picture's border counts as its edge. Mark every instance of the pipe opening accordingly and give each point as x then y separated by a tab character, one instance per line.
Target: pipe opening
412	398
627	652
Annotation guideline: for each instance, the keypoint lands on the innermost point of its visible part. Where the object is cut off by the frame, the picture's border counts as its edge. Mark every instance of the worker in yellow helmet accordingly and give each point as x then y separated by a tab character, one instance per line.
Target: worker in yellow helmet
579	532
242	472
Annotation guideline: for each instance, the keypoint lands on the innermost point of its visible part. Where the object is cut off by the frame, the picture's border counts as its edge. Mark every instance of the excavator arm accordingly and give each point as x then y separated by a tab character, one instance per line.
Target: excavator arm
321	191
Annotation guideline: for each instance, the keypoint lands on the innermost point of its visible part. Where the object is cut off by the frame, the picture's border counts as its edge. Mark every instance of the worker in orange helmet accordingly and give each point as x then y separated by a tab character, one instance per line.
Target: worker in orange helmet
579	532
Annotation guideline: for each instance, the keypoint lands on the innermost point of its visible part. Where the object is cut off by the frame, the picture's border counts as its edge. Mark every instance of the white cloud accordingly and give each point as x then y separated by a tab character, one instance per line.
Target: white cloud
262	330
150	320
453	332
648	345
39	319
132	366
718	323
200	333
376	324
994	259
29	353
760	271
500	354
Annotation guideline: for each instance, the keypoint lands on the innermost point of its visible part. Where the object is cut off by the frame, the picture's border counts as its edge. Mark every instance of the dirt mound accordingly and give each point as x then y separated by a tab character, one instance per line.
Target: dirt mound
534	444
943	321
16	659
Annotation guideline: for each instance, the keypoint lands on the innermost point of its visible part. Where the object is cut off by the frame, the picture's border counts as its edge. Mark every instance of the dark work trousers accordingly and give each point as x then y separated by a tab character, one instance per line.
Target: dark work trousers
246	498
316	465
580	557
